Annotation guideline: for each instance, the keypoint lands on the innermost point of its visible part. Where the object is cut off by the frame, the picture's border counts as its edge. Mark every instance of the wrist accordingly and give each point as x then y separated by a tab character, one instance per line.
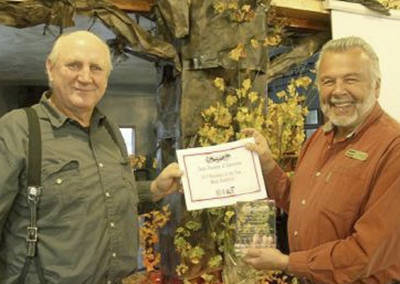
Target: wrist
267	164
284	262
154	190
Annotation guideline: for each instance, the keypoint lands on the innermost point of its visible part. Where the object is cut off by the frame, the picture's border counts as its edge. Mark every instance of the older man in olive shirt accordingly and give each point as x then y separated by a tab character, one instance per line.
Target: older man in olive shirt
87	214
344	200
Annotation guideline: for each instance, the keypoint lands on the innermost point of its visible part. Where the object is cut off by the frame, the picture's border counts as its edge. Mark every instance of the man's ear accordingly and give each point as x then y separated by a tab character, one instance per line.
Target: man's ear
377	88
49	67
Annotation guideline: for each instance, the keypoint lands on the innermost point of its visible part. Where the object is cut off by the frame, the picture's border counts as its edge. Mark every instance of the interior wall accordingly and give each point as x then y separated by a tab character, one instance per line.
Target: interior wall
383	34
137	110
9	98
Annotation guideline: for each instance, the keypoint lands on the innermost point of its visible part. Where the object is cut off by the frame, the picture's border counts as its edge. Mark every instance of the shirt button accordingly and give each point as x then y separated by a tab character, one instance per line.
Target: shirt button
303	202
317	174
59	181
295	233
114	255
112	224
101	165
108	194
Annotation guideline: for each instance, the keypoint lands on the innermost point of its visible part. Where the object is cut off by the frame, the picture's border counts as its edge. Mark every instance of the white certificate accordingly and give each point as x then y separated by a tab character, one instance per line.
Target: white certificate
220	175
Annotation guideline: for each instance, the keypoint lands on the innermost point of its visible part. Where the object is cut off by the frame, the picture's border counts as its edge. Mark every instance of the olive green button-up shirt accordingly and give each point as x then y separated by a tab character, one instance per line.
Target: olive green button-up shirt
87	214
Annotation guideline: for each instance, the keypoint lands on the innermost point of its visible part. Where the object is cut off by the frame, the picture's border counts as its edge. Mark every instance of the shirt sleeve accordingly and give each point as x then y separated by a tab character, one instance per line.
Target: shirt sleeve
278	187
11	164
375	243
146	202
144	192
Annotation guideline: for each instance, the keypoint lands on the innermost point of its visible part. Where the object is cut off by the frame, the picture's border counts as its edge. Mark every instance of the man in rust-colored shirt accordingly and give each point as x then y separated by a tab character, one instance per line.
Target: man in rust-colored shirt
344	200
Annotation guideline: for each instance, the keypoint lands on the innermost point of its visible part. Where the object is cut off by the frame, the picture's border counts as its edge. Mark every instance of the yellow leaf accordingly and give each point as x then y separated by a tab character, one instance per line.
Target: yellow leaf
240	116
246	8
244	109
238	52
255	43
272	40
230	100
303	82
240	135
246	84
219	83
253	96
241	93
219	7
224	117
291	89
234	5
281	94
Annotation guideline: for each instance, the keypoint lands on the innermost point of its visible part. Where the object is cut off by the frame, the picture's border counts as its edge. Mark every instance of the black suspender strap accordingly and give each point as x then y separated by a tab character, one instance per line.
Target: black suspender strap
116	137
35	148
34	183
34	191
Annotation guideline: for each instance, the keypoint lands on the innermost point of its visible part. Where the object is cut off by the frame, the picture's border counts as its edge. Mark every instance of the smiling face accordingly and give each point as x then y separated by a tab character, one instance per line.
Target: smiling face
78	75
347	88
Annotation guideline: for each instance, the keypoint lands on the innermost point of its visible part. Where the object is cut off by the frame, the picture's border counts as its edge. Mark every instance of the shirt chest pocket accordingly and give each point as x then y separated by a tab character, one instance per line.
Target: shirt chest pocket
343	191
63	193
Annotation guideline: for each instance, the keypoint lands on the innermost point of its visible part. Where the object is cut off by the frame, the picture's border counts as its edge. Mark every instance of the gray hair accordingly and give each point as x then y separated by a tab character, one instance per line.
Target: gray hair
55	51
348	43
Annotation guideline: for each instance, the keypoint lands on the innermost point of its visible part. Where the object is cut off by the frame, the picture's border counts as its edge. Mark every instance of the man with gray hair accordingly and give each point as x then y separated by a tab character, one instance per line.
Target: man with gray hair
344	199
79	224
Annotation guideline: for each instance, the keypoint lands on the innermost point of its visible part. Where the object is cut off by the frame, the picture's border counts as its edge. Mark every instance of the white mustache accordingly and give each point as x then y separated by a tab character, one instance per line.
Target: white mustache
340	101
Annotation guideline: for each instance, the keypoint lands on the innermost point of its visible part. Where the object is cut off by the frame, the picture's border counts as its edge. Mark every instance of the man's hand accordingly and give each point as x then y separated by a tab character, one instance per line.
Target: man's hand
167	182
266	259
261	147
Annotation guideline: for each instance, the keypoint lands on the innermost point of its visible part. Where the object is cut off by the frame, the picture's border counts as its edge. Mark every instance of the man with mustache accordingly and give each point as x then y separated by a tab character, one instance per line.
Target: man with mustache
81	225
344	199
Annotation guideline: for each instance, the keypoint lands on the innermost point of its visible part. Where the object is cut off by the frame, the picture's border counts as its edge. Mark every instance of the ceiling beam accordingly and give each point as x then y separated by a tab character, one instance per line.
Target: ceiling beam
307	14
134	5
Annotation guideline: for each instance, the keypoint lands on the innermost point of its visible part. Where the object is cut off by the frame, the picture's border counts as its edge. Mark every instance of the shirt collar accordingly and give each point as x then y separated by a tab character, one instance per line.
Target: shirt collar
58	119
371	118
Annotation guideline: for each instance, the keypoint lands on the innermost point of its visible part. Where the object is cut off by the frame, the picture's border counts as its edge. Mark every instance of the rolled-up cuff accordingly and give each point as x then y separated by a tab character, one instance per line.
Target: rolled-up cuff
298	264
144	192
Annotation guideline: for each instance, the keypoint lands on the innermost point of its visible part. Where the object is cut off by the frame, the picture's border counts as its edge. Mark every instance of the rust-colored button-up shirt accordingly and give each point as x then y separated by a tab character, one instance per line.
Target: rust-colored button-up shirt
344	205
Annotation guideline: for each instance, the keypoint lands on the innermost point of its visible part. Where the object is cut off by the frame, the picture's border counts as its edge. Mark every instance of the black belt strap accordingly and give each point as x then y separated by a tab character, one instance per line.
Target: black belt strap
34	191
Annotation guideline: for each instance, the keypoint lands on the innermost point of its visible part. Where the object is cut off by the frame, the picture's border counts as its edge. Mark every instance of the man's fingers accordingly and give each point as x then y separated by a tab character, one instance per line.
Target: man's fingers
256	148
251	146
252	253
248	131
172	171
250	261
251	257
258	137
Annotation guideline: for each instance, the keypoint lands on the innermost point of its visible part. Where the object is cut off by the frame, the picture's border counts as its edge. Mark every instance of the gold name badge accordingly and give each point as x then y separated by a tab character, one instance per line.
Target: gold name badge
357	155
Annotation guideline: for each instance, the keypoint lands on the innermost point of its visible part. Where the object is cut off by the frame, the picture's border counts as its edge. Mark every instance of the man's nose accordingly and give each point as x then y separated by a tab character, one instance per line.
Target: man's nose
84	75
339	87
